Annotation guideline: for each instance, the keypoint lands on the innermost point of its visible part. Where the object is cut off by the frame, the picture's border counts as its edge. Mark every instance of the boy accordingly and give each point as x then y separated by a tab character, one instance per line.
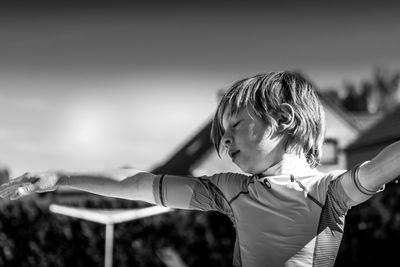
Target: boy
285	212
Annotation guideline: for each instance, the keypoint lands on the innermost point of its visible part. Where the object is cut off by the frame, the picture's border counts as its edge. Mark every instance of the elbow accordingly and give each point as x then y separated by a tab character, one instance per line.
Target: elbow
139	187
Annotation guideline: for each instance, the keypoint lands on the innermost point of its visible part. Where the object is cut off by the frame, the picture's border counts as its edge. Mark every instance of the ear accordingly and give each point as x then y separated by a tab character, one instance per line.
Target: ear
286	117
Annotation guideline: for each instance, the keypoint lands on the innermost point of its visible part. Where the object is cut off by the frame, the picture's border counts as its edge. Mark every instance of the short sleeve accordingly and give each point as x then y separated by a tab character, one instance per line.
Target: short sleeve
339	198
231	184
342	187
318	186
198	193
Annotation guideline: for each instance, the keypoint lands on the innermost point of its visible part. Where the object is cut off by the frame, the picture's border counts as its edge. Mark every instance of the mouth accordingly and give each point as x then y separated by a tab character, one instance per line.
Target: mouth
233	154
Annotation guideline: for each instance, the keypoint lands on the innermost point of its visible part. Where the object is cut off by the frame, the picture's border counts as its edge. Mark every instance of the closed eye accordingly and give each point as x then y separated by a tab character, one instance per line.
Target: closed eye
236	124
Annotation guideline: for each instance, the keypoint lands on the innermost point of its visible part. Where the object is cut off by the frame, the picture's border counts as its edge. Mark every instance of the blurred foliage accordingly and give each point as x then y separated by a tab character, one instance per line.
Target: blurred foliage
4	174
379	94
32	236
372	231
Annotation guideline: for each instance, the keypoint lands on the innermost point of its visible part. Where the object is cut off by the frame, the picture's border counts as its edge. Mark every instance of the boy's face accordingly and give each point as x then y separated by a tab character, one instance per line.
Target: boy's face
252	143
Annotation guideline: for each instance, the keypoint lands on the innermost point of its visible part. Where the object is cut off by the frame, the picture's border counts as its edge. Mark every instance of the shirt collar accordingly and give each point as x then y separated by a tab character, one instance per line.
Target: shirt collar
291	165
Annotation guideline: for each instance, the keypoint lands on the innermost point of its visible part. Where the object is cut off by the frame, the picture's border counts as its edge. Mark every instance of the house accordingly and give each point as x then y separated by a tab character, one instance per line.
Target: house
374	139
341	130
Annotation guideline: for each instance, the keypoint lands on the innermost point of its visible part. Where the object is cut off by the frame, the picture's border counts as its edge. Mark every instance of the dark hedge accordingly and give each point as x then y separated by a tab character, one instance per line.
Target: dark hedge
30	235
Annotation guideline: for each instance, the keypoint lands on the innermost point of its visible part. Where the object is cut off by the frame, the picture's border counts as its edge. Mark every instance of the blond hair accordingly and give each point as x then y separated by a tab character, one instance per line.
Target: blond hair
264	94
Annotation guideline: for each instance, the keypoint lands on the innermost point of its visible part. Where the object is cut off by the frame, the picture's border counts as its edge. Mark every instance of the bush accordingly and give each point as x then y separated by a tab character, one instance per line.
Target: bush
32	236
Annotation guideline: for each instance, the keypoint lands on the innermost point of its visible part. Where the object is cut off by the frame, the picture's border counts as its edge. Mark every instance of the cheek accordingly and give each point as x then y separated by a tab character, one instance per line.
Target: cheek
258	134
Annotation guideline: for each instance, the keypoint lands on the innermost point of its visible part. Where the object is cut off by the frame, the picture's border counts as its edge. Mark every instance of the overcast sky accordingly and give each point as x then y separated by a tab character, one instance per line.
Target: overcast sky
93	85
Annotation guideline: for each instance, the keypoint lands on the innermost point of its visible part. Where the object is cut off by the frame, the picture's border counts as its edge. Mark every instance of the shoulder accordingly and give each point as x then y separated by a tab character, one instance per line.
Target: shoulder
321	180
229	179
324	179
318	185
230	183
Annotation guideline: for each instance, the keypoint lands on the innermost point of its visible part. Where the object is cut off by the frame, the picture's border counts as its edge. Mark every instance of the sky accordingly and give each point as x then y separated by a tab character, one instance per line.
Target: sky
100	85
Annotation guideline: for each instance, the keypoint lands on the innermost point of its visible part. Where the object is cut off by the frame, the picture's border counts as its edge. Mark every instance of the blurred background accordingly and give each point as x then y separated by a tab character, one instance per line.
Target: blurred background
96	85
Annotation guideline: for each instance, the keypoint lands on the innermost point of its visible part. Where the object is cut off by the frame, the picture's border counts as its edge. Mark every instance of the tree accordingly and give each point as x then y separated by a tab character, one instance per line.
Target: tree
4	174
379	94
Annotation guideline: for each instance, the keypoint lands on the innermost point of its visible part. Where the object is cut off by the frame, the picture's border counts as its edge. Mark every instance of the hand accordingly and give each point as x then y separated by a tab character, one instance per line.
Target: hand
29	183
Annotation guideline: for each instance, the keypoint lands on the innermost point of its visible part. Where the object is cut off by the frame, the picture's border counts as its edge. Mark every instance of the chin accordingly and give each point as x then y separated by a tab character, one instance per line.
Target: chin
252	170
247	169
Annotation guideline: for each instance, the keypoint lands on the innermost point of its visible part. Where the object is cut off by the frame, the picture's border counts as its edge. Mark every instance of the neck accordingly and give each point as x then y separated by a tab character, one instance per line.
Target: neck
290	164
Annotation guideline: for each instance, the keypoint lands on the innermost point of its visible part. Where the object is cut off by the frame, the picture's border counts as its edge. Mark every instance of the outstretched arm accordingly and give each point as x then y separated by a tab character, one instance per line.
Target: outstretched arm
382	169
121	183
372	175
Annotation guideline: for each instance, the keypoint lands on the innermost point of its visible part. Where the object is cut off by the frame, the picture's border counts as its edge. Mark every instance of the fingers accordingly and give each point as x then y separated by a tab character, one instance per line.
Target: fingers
15	195
7	189
27	189
21	189
18	180
15	182
25	178
21	181
27	184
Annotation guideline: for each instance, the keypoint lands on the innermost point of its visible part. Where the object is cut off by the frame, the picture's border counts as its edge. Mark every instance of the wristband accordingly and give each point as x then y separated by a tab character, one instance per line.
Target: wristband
360	187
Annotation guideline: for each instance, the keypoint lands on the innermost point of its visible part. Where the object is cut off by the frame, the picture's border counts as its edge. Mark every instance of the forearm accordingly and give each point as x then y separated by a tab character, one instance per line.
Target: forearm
382	169
123	183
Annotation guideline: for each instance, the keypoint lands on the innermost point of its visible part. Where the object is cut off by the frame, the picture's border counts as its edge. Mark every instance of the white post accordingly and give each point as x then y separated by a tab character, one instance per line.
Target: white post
109	218
108	258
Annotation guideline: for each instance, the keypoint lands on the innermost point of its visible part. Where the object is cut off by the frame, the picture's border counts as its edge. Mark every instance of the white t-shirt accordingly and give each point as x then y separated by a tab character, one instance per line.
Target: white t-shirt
281	220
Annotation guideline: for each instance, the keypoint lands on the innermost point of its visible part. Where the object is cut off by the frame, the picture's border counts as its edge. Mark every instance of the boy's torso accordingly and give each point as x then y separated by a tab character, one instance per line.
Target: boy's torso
277	222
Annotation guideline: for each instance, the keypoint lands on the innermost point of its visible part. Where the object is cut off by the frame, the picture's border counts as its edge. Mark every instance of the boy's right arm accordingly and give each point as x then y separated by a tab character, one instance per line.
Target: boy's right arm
121	183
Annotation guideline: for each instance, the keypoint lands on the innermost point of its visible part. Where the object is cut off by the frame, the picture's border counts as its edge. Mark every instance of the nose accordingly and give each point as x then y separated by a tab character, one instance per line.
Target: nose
226	141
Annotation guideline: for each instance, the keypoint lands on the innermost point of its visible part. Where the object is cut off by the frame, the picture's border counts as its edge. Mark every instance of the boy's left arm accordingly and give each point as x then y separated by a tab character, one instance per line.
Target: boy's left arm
368	178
